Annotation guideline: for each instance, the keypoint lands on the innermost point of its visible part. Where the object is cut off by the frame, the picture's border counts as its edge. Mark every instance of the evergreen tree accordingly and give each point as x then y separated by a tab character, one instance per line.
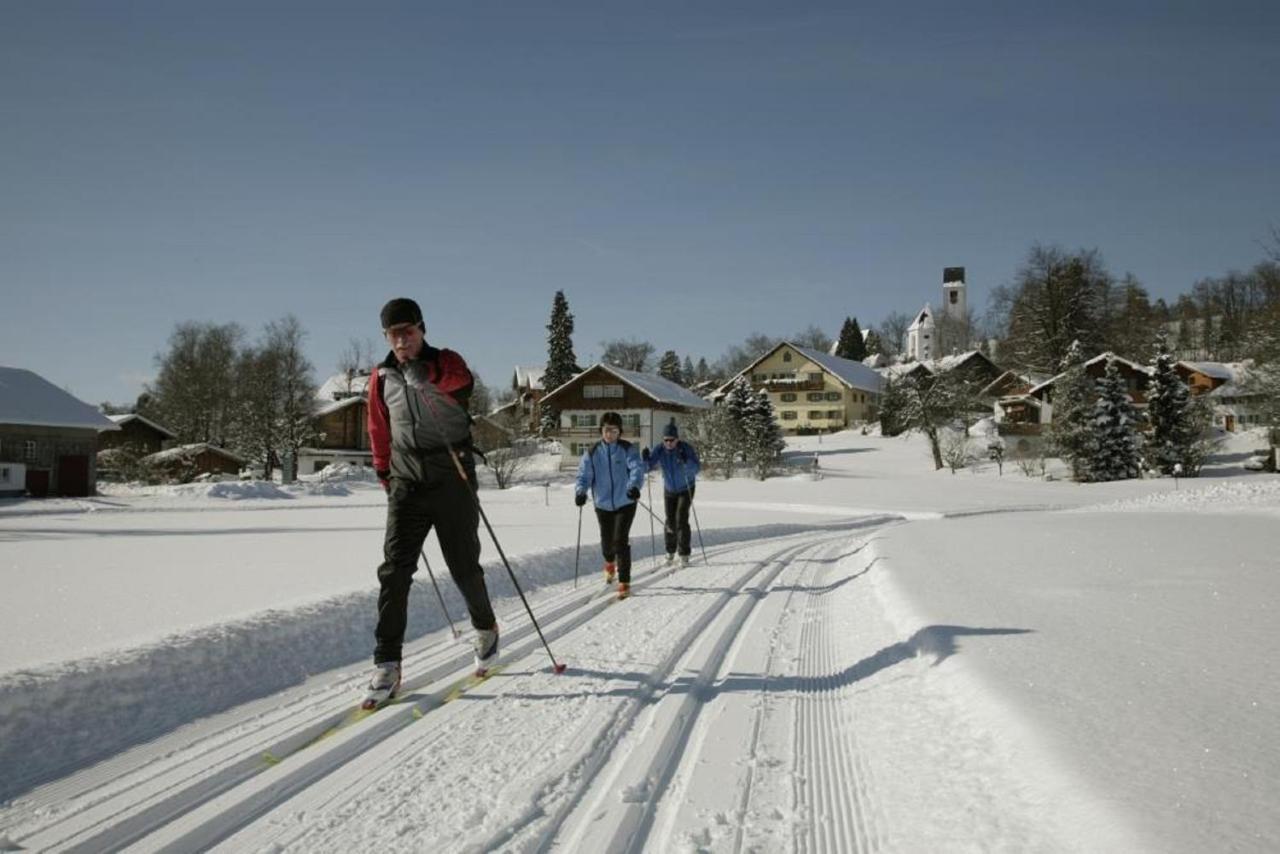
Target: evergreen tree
1115	438
739	403
851	344
891	404
762	437
562	364
873	343
686	371
669	367
1070	434
1168	408
703	372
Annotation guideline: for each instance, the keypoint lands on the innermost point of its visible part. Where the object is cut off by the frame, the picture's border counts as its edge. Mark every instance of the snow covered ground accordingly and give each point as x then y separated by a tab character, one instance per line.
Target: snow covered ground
885	659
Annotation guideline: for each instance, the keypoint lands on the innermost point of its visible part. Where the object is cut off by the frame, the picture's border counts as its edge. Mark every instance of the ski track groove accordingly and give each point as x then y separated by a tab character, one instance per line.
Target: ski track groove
834	787
765	699
608	764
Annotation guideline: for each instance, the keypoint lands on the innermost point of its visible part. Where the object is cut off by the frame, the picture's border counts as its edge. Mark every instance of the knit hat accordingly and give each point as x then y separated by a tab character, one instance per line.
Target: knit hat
400	310
670	430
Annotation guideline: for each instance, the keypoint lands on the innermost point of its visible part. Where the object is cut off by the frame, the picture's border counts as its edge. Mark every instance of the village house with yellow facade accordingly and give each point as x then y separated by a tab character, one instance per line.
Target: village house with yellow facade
812	391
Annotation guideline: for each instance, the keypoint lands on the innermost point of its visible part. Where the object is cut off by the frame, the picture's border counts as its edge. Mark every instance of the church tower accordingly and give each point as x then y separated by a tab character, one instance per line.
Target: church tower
953	294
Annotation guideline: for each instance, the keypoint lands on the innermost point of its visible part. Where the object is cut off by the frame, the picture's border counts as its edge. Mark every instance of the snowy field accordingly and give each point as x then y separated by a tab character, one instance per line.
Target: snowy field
888	658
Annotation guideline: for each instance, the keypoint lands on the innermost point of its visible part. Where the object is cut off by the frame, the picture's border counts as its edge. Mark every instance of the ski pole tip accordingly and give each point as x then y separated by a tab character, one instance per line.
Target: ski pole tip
559	668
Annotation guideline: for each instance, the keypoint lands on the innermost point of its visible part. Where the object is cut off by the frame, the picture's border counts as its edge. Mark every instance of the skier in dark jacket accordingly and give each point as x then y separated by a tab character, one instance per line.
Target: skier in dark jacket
680	466
612	470
418	400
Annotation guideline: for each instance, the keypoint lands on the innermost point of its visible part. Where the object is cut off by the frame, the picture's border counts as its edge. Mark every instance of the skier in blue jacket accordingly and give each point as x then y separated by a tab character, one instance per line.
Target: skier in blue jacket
613	471
680	465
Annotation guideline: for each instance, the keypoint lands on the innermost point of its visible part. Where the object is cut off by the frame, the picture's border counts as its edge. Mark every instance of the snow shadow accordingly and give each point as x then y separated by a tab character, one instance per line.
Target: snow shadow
936	642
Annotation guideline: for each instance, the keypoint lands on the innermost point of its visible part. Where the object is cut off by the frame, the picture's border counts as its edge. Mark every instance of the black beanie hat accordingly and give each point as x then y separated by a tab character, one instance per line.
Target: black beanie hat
401	310
670	430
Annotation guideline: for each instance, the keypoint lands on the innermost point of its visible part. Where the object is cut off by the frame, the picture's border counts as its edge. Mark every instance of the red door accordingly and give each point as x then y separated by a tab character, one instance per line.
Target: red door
73	475
37	483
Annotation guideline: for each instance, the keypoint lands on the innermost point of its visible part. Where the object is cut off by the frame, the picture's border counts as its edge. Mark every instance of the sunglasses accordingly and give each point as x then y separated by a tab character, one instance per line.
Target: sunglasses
668	439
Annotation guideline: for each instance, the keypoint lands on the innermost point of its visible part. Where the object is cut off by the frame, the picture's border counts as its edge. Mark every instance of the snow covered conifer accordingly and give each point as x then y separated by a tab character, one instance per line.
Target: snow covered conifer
891	403
687	371
1071	431
562	364
762	436
1168	408
669	367
1114	425
851	345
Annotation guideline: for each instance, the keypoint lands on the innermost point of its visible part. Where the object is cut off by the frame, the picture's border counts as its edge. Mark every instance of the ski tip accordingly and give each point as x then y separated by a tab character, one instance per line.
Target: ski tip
560	668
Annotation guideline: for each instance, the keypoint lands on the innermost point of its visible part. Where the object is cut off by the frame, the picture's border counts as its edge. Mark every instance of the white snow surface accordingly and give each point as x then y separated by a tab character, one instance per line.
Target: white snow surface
887	658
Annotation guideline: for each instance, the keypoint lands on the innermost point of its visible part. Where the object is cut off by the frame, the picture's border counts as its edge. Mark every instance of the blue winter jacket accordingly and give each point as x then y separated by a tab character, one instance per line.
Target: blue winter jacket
609	471
677	475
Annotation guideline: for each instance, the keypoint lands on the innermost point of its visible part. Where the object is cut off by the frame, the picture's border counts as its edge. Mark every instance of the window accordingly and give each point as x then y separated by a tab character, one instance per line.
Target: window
815	378
631	420
592	392
833	395
834	415
955	297
31	449
816	414
759	378
788	397
788	415
813	396
588	420
786	355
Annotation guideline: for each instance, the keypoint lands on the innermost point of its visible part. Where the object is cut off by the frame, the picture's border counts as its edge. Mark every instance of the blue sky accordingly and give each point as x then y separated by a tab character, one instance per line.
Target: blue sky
688	173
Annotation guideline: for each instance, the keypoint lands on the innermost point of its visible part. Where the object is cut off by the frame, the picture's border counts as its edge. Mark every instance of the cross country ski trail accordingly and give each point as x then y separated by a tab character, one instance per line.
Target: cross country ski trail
780	698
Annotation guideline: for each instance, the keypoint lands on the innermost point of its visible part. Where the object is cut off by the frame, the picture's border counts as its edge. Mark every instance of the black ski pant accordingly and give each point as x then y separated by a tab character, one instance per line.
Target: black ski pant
413	508
676	532
615	538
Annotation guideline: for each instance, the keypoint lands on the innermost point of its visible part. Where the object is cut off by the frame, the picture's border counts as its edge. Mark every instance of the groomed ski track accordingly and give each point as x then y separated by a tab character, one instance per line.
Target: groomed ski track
762	702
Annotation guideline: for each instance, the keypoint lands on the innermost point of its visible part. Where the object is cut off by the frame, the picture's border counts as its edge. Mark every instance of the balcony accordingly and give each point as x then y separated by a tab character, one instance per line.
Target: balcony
780	385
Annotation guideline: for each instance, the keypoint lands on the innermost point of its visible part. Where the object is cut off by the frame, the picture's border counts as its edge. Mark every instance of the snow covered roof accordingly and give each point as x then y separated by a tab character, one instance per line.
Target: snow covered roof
1225	371
183	452
28	398
133	416
335	405
851	373
924	318
528	376
1101	357
339	386
659	389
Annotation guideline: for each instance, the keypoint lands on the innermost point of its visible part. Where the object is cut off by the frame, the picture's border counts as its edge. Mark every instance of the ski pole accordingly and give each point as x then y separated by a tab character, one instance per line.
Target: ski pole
475	497
694	510
577	550
665	526
653	543
439	596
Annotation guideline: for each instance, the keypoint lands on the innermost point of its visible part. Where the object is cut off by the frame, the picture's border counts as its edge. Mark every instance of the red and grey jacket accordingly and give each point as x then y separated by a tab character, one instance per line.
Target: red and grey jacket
416	410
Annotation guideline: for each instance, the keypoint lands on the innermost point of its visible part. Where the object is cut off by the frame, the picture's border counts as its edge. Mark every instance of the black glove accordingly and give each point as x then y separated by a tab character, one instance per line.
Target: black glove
634	493
644	454
580	499
384	478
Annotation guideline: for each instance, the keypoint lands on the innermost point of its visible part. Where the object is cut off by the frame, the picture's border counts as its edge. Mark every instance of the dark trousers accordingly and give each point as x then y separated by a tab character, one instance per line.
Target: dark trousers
615	538
412	509
677	533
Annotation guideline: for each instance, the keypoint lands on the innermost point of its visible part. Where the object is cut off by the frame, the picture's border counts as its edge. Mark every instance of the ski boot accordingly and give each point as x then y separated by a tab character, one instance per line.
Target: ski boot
486	647
383	686
610	572
624	590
